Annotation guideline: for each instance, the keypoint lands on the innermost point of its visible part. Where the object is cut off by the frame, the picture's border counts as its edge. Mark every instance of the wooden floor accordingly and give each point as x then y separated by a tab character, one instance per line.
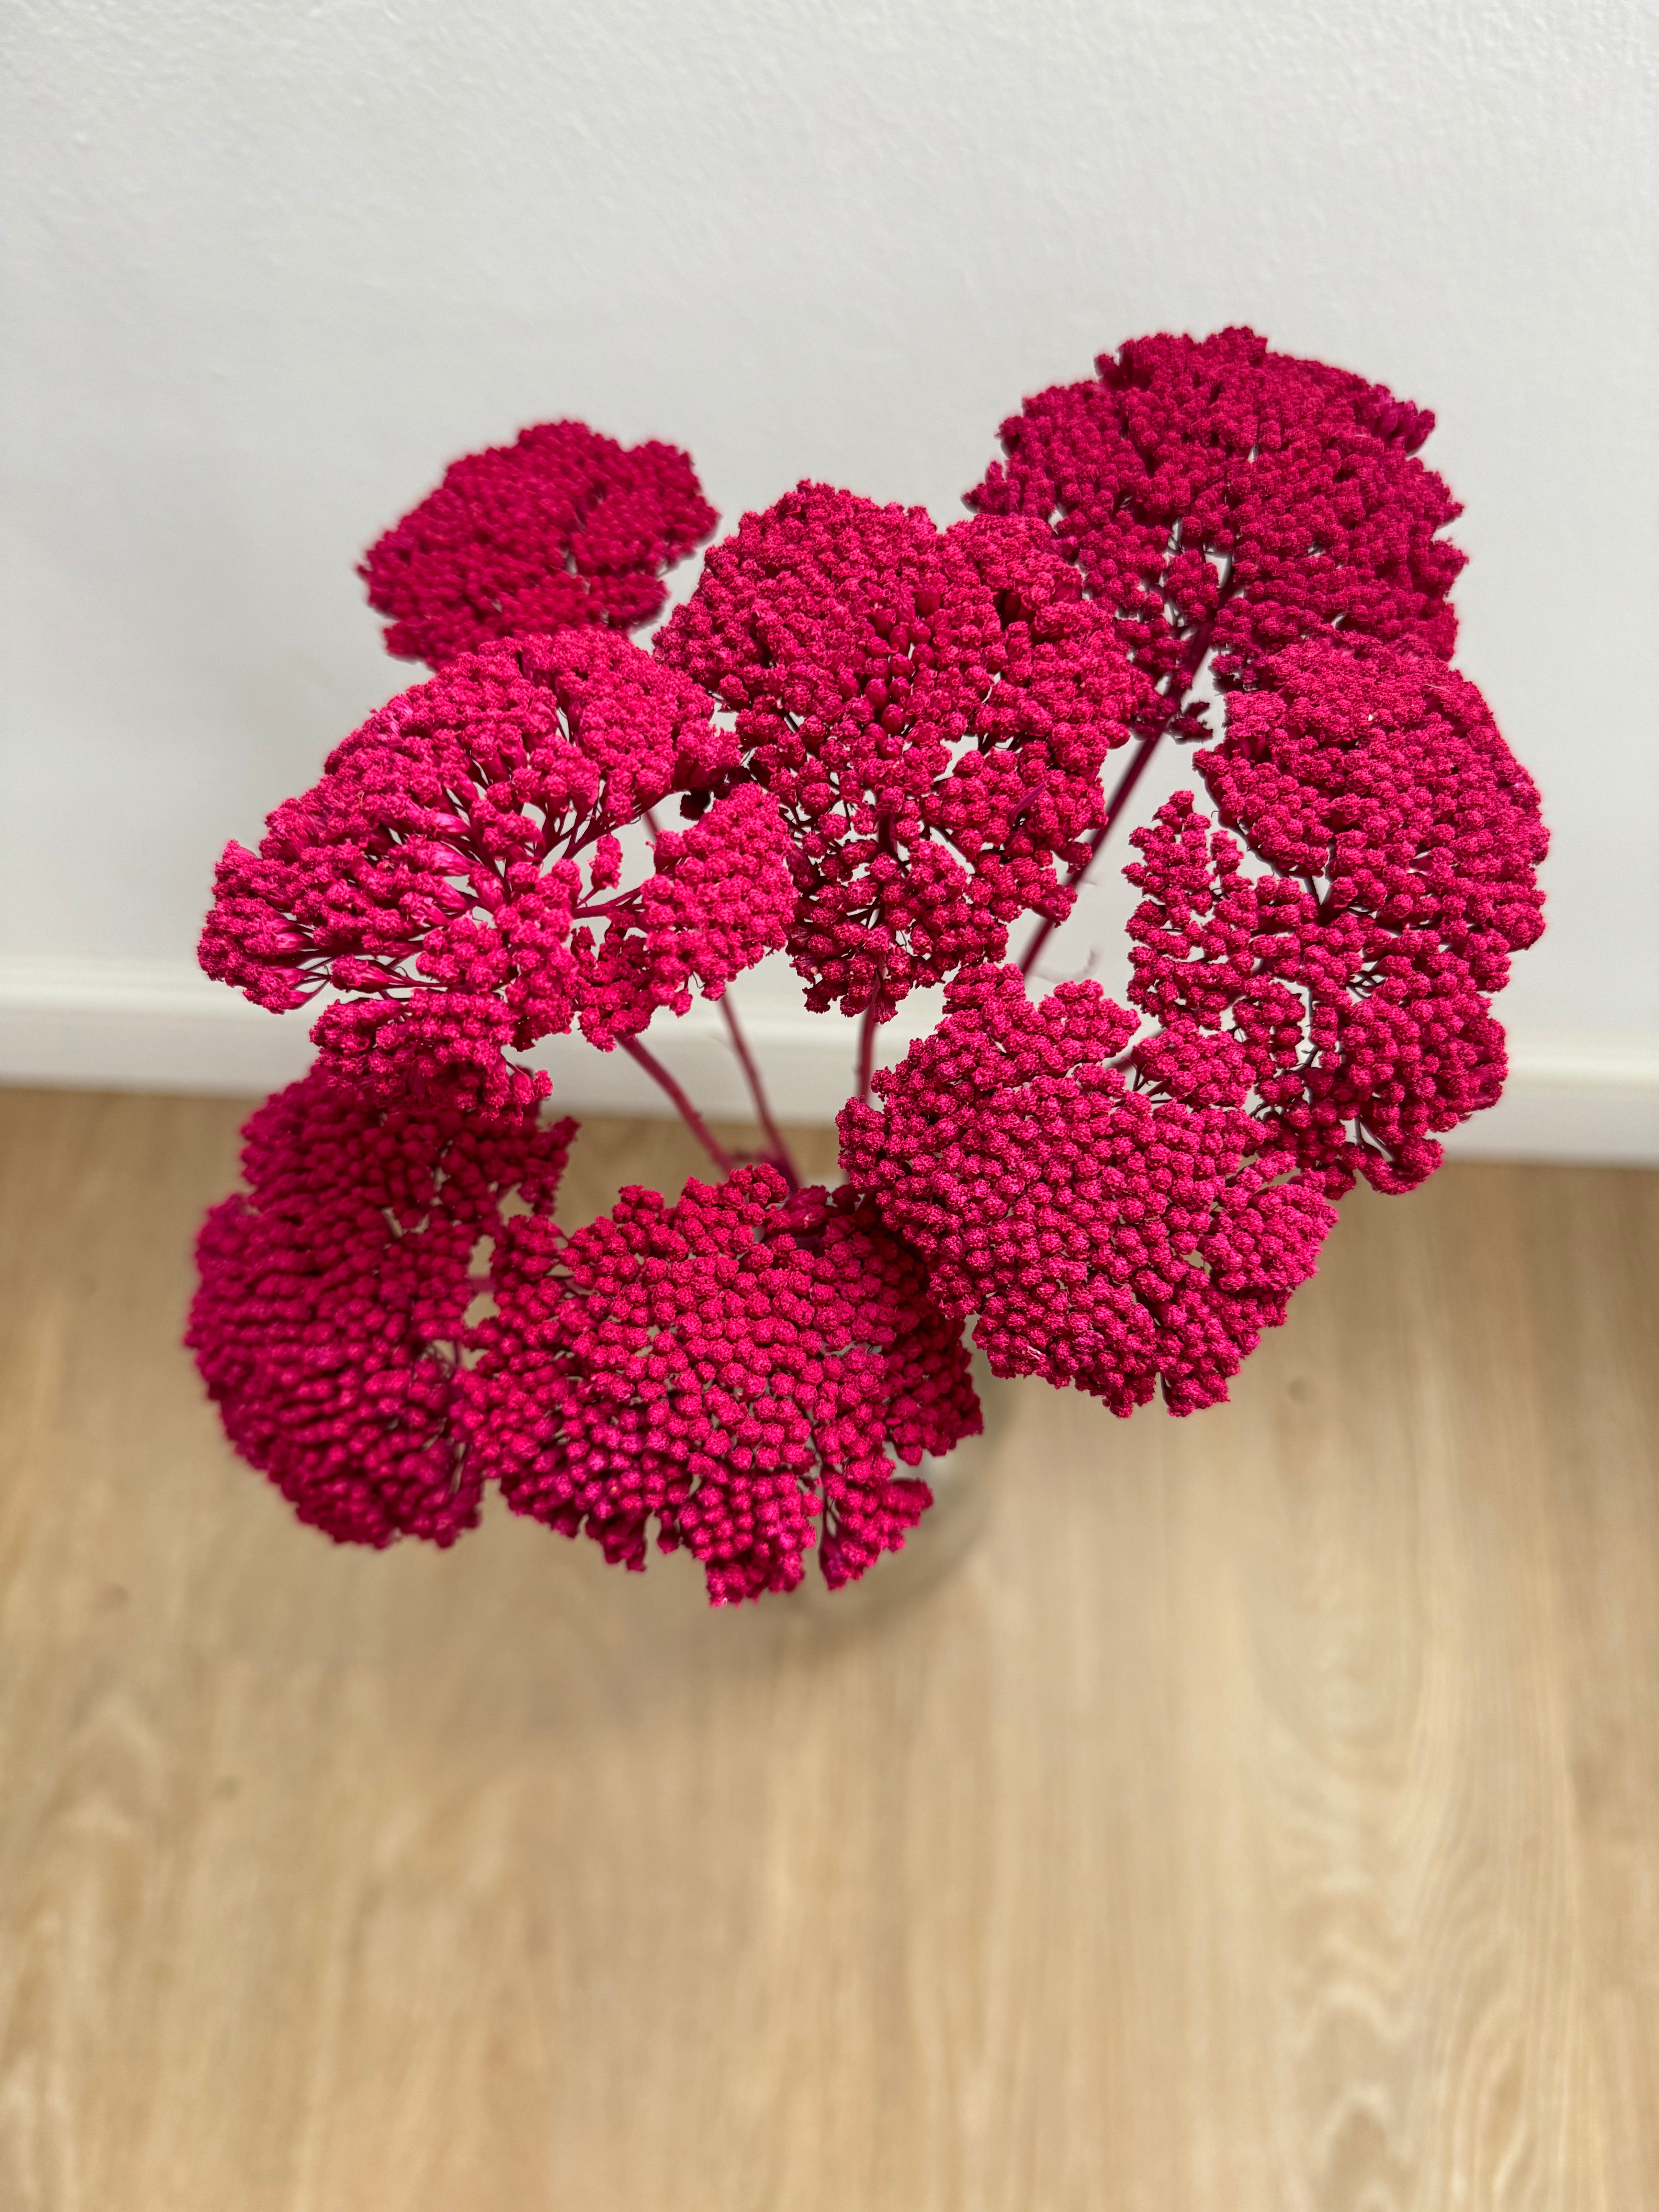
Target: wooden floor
1266	1813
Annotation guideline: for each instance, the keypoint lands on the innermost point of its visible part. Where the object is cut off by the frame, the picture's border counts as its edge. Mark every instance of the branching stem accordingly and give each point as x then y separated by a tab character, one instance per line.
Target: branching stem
1196	652
683	1106
751	1075
1115	807
867	1050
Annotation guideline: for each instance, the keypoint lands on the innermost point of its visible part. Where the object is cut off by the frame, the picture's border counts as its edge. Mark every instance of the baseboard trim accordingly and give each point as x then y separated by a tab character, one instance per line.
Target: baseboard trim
119	1025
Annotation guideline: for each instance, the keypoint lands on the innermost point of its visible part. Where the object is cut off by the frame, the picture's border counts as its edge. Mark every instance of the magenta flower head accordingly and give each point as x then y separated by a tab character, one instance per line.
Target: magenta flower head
561	528
745	1368
1384	774
1219	497
1106	1236
928	708
1404	839
448	874
330	1315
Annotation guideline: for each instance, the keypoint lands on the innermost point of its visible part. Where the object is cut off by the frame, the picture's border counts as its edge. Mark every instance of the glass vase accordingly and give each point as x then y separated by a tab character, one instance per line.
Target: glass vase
962	1482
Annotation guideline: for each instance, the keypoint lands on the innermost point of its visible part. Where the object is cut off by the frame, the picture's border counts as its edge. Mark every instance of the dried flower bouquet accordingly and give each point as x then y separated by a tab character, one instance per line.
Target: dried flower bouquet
888	744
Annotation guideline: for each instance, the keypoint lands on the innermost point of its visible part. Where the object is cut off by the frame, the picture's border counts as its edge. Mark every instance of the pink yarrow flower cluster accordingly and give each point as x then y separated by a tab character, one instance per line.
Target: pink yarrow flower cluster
561	528
453	871
930	710
745	1368
330	1315
1403	840
1221	498
1105	1235
889	743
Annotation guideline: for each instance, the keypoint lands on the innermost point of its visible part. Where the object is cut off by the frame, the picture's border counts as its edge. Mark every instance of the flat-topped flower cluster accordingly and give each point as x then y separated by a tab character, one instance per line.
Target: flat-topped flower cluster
887	744
456	874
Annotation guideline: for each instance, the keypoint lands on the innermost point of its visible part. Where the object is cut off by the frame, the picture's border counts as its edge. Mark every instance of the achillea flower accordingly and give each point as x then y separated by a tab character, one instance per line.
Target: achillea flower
1104	1236
444	873
740	1367
929	709
331	1312
1384	774
1218	497
563	527
1405	837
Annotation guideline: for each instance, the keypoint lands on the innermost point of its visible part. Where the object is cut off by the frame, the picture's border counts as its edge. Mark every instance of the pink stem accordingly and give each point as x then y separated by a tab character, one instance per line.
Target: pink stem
867	1049
751	1075
1194	654
683	1106
1115	807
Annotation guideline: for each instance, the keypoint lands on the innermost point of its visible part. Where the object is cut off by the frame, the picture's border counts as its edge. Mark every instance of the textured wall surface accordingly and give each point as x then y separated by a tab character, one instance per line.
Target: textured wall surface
269	267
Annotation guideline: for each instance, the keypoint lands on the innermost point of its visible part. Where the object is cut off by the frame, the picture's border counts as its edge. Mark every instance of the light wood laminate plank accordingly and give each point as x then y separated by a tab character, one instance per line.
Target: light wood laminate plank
1265	1814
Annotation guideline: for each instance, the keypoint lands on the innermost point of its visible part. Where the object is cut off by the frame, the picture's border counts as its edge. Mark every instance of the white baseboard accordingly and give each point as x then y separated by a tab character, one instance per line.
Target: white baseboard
1591	1099
120	1025
103	1023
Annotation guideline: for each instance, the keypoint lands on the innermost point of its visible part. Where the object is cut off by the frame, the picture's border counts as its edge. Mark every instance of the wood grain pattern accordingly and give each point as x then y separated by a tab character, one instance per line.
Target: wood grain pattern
1266	1814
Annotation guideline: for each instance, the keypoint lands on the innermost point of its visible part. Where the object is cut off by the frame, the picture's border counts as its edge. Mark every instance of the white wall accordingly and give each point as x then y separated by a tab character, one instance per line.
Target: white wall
269	266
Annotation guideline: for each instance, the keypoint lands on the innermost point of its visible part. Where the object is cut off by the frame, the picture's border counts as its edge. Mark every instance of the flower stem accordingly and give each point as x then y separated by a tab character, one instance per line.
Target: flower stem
867	1050
1194	653
1115	807
683	1106
751	1075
